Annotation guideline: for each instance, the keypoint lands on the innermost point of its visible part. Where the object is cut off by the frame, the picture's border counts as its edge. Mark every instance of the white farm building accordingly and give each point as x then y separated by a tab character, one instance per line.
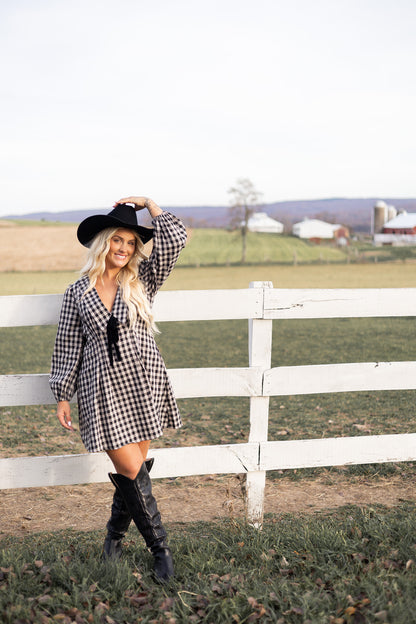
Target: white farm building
261	222
314	229
401	230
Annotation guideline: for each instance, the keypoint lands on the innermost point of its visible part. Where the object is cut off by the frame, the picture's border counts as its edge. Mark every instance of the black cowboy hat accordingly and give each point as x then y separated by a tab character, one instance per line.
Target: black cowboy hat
122	216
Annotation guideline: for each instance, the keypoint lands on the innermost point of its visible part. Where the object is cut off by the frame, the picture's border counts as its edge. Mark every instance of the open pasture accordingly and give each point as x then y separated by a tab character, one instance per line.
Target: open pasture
352	566
216	246
368	275
48	246
33	430
54	247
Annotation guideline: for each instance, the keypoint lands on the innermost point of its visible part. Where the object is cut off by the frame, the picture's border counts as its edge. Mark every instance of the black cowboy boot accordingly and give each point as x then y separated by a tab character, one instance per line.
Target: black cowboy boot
118	523
137	494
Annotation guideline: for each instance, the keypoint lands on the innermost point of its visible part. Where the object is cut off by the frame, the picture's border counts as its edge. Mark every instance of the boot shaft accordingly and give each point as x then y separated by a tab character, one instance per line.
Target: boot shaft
141	504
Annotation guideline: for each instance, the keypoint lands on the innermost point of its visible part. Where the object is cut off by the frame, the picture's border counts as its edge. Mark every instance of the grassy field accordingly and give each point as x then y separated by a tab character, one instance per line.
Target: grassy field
370	275
54	247
33	430
214	246
352	566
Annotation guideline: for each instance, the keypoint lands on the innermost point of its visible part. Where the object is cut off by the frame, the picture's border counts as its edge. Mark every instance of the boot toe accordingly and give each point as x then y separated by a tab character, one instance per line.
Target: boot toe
112	549
163	565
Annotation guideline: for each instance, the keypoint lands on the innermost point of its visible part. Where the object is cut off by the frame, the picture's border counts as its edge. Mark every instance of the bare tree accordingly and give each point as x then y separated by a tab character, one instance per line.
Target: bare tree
244	200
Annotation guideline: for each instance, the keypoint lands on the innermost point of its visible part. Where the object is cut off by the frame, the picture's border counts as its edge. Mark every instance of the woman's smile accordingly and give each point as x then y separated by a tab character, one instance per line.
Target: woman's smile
122	247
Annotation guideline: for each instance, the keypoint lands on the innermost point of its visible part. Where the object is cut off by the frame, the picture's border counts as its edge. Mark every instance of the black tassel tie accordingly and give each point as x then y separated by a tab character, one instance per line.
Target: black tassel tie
112	339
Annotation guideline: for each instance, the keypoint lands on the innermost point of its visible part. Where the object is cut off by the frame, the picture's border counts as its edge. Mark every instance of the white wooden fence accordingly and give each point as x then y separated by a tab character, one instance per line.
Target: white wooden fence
260	304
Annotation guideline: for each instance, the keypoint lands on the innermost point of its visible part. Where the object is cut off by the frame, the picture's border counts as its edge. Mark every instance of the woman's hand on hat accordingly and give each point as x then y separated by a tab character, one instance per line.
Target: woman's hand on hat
64	415
141	202
138	202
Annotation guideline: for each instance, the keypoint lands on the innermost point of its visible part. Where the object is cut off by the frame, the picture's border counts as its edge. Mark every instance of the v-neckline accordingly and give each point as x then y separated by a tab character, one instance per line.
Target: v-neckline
102	302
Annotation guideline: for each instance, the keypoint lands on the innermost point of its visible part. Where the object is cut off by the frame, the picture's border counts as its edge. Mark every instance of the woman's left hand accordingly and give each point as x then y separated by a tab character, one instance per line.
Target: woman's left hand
140	203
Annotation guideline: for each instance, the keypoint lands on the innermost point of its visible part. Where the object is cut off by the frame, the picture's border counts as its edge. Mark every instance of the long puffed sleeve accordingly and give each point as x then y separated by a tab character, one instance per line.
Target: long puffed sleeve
67	354
169	237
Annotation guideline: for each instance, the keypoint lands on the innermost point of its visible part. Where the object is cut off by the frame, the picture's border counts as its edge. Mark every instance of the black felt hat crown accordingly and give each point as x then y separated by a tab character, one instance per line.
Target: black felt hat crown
122	216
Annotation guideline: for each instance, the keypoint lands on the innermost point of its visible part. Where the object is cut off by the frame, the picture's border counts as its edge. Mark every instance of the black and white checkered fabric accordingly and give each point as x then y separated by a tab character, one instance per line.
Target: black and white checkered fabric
132	400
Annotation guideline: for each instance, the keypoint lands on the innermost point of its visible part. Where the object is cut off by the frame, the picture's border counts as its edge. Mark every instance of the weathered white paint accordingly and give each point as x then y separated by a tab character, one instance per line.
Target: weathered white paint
201	305
337	451
254	458
259	304
287	303
260	356
292	380
180	305
260	335
21	310
198	460
186	382
93	468
215	382
25	390
255	486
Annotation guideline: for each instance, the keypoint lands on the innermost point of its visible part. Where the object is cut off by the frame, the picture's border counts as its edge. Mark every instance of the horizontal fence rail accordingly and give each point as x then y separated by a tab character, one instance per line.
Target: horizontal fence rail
287	303
180	305
187	383
18	472
33	389
326	378
260	304
337	451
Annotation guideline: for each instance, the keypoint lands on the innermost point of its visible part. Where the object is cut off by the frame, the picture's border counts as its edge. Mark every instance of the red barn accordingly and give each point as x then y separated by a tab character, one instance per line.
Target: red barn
404	223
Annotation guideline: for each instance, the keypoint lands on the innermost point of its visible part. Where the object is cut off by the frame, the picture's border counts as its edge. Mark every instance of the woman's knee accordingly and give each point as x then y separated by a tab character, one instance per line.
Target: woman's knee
128	459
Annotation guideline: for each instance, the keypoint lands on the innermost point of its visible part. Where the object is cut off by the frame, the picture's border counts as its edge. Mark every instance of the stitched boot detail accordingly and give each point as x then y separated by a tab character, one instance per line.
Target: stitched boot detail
119	522
139	499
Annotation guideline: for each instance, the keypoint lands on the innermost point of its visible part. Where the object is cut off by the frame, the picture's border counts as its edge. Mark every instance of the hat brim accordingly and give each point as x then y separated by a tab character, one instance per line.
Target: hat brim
88	228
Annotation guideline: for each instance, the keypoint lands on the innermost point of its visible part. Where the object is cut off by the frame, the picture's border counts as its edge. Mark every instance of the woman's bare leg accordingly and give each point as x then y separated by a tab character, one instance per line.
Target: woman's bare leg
128	459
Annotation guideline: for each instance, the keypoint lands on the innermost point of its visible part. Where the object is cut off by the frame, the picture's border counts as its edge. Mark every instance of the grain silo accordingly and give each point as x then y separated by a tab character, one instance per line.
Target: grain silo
391	212
380	216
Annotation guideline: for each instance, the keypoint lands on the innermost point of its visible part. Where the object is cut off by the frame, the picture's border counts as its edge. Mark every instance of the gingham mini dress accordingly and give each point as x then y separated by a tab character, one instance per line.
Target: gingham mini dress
124	393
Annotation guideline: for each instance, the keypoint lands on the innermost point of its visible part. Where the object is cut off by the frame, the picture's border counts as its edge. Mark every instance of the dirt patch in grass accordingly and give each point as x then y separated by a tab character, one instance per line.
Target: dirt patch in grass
190	499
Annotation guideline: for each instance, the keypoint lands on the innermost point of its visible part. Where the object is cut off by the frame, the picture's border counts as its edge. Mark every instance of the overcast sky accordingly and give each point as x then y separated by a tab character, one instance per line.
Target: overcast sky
176	99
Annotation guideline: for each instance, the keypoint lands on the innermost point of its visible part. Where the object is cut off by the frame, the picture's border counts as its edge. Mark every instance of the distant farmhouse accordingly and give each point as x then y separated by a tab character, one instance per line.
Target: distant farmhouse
316	230
390	228
261	222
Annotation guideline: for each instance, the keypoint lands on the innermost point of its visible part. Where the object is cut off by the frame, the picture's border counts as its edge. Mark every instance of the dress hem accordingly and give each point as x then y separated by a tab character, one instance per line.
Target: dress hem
103	450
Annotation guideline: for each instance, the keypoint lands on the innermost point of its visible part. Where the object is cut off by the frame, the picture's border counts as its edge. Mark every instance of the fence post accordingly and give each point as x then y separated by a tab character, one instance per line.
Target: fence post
260	355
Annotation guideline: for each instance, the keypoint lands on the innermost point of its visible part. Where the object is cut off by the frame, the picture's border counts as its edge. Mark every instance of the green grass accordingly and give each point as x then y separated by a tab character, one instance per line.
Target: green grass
387	275
354	565
215	246
36	283
34	430
350	566
222	247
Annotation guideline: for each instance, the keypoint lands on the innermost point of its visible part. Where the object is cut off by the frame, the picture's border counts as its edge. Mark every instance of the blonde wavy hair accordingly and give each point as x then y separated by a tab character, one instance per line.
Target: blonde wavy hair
132	289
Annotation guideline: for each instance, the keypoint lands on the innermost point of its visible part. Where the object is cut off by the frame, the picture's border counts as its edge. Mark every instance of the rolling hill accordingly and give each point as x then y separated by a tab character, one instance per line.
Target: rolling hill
355	213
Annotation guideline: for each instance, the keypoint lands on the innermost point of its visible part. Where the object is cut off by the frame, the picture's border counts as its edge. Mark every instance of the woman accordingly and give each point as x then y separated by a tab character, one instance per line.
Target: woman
105	351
